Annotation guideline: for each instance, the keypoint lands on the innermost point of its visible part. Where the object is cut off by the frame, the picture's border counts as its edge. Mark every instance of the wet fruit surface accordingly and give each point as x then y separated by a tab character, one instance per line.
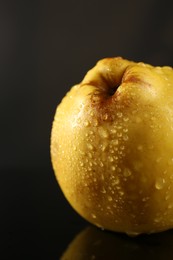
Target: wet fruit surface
111	146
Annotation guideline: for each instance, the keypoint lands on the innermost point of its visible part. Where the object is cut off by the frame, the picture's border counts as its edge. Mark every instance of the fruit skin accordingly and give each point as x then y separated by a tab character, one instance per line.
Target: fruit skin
112	146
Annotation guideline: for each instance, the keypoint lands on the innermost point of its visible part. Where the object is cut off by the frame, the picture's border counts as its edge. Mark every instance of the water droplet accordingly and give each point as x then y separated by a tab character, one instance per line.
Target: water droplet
142	64
119	114
115	142
93	215
170	162
145	199
122	147
95	163
103	132
170	206
125	119
102	177
121	193
158	159
119	169
95	122
105	116
111	159
159	183
132	234
90	155
140	147
157	219
90	146
104	146
127	172
82	164
138	120
113	168
119	126
78	120
86	123
125	137
158	69
109	198
113	131
103	190
119	134
167	197
101	164
125	130
115	181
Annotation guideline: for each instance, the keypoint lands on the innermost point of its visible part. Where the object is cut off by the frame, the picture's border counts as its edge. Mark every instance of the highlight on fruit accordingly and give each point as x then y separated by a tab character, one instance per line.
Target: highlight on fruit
112	146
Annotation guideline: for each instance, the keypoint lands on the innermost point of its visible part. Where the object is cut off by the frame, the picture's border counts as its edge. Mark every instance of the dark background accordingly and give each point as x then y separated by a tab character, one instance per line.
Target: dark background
45	48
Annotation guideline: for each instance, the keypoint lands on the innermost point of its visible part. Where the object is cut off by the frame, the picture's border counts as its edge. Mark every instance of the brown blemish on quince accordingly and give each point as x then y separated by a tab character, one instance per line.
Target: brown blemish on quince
134	79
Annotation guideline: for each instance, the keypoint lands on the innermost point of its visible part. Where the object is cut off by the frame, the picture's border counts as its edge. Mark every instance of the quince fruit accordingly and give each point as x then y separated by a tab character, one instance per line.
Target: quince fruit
112	146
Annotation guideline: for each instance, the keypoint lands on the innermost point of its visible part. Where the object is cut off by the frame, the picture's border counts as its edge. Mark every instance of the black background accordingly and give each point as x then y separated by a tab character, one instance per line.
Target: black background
45	48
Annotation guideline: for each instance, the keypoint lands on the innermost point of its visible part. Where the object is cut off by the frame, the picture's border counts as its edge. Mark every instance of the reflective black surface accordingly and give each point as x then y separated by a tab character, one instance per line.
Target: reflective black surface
38	223
36	220
93	243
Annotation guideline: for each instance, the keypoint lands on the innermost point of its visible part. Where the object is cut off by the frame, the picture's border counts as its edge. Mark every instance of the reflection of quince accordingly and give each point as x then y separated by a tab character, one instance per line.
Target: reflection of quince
94	244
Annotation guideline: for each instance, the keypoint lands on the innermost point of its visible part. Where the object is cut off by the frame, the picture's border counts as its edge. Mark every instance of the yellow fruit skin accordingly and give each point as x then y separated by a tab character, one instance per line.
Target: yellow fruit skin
112	146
